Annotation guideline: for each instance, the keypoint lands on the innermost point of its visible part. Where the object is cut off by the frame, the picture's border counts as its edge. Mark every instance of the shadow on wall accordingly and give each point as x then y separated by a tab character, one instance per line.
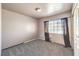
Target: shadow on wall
17	28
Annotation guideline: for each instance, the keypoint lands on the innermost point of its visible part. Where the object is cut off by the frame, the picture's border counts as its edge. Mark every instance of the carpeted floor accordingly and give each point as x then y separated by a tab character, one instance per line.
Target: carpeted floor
38	48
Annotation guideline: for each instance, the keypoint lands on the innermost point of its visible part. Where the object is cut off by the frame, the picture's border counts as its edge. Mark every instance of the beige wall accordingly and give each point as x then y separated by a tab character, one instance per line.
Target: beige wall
62	15
17	28
57	38
70	24
76	28
0	29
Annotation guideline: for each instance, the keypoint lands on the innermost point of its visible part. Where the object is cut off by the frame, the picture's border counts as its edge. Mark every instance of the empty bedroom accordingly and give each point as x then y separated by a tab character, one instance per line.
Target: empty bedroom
39	29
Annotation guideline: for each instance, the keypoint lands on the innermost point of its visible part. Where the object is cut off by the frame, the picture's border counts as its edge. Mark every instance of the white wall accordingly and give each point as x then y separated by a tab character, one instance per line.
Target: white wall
62	15
0	29
76	28
17	28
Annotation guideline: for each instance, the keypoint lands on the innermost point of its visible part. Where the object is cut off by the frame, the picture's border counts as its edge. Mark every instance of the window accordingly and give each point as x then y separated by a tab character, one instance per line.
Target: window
55	26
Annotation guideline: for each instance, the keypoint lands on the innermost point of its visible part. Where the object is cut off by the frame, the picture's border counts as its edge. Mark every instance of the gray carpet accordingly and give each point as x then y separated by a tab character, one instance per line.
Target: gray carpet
38	48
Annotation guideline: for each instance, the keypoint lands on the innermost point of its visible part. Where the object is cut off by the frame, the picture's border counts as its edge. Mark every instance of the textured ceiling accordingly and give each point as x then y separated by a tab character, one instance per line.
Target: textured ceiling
47	9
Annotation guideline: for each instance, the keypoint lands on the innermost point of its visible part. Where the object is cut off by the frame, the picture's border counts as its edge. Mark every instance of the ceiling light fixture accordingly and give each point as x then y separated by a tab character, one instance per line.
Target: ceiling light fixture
37	9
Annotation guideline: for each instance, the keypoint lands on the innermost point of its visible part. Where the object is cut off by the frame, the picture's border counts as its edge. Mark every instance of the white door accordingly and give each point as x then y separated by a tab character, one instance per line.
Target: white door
76	31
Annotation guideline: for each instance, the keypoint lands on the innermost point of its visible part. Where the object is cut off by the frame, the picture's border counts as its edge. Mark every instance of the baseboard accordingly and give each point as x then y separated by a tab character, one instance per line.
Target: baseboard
29	40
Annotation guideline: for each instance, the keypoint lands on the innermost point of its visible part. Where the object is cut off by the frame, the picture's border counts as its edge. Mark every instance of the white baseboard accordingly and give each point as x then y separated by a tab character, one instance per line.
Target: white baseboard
30	40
